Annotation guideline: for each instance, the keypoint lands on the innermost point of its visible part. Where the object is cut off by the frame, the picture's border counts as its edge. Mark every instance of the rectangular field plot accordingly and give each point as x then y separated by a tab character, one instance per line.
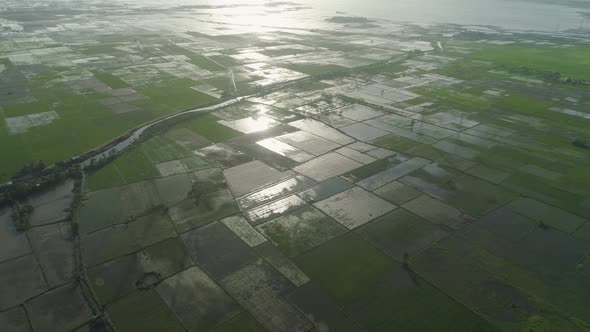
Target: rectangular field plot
401	233
257	287
322	130
460	271
499	231
197	301
397	192
363	132
400	301
101	209
250	176
549	215
354	207
300	230
54	247
285	150
272	192
208	180
436	212
143	311
394	173
217	249
358	112
273	209
124	239
242	228
321	308
348	255
125	274
309	143
14	320
201	210
21	279
428	152
63	308
376	167
327	166
173	189
356	155
282	263
325	189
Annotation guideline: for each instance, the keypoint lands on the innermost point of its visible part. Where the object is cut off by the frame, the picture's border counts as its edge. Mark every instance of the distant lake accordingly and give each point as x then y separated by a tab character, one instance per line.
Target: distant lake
508	14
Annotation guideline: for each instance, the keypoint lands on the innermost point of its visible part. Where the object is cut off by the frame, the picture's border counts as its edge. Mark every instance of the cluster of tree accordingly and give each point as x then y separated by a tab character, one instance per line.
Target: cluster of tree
31	169
76	202
34	182
547	76
21	216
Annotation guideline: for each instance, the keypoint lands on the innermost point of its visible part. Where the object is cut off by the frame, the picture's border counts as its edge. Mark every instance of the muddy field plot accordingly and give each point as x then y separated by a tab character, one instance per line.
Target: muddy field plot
126	238
173	189
143	269
202	210
63	308
143	311
208	180
14	320
437	212
400	234
257	287
93	215
54	247
300	230
22	278
197	301
217	249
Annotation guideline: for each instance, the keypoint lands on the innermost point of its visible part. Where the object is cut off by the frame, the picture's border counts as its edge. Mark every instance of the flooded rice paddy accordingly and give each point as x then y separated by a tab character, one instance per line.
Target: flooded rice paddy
411	182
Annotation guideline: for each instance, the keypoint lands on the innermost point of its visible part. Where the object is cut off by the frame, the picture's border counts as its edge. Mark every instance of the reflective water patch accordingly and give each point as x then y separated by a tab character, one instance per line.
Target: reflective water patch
22	124
327	166
355	207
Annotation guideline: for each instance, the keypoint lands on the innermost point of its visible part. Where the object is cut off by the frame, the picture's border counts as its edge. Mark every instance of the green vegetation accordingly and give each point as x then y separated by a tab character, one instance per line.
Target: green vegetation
350	256
205	63
207	126
128	313
570	61
110	80
524	104
175	94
